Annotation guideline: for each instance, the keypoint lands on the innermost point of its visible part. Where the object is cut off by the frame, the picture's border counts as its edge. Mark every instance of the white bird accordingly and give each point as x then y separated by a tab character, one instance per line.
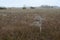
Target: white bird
38	21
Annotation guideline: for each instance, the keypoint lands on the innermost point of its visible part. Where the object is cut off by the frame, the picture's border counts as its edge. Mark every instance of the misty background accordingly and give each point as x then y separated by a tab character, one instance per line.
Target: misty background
28	3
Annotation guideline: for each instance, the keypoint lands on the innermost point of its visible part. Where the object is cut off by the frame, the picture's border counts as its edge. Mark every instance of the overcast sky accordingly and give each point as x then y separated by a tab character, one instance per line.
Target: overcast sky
21	3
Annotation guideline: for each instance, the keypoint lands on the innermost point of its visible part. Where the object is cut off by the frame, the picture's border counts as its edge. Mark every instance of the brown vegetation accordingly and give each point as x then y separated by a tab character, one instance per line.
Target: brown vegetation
15	24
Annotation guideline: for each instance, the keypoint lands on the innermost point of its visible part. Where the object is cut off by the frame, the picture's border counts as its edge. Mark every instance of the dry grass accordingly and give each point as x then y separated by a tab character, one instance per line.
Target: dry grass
15	24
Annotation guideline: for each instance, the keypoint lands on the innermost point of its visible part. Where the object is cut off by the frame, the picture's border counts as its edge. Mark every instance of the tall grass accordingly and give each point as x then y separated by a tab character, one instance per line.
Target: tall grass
15	24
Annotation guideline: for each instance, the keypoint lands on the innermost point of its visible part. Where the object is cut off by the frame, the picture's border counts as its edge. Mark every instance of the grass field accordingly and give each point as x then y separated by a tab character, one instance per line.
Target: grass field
18	24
